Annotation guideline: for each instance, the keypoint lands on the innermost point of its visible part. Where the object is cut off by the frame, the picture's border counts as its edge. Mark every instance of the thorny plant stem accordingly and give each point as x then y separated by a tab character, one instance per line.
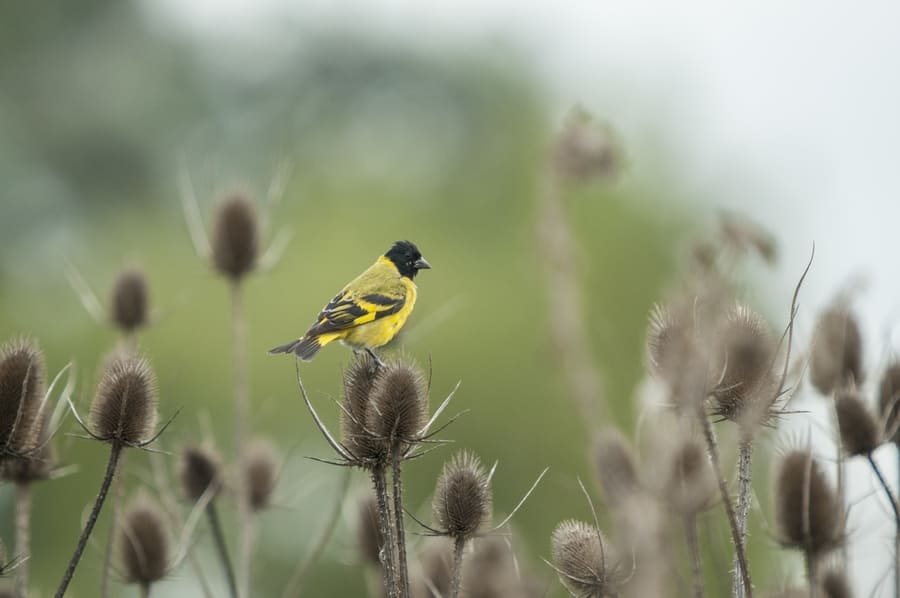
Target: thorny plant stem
23	535
693	544
456	577
115	452
145	590
221	548
118	490
389	571
713	449
295	584
812	574
896	508
557	248
241	412
402	570
839	463
745	493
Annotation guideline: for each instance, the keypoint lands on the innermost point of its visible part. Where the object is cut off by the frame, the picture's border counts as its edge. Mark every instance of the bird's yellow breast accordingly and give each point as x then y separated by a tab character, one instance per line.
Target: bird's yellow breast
380	332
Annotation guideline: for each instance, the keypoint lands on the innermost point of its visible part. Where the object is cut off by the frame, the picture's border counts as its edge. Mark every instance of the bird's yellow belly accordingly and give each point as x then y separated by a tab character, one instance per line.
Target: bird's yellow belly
381	331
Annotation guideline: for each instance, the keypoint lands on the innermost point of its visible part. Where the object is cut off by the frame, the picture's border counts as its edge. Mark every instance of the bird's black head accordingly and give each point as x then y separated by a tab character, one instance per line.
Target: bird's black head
407	258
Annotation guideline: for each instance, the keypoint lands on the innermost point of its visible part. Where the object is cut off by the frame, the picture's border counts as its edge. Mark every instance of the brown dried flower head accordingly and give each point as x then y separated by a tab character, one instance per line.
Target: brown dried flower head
201	468
690	483
860	433
808	513
260	473
889	401
124	407
144	543
836	355
368	531
129	303
616	467
586	150
22	376
835	584
235	238
436	559
462	502
359	380
582	558
38	463
746	390
399	406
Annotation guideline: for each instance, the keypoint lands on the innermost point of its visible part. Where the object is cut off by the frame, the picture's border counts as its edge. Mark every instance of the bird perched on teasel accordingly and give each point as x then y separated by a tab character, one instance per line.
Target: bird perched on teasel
370	310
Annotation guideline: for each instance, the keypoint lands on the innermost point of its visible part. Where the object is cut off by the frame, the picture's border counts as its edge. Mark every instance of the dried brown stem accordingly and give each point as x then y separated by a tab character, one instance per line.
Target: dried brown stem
241	413
389	571
23	535
896	509
456	576
693	544
745	493
402	570
212	514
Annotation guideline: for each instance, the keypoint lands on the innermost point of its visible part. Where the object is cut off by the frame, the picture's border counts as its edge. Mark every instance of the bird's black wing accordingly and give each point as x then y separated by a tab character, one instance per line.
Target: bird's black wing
347	310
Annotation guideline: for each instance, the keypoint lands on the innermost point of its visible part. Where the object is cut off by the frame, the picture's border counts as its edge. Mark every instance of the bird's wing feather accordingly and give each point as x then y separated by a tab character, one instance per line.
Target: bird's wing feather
349	309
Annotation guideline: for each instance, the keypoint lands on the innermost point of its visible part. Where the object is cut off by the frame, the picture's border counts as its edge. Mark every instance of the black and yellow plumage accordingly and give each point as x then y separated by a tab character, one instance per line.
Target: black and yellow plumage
370	310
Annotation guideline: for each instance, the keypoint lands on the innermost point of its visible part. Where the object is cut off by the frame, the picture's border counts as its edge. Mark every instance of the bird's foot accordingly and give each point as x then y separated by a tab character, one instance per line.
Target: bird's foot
378	363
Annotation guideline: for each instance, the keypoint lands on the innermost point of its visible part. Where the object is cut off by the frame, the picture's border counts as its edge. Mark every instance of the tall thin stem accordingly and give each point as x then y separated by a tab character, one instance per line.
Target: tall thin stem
812	573
241	413
896	508
115	452
745	492
402	570
23	535
693	544
456	576
212	514
839	464
145	590
713	449
389	571
118	490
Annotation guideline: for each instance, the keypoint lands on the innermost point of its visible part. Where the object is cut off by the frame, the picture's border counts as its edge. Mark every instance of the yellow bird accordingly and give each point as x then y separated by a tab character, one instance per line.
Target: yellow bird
370	310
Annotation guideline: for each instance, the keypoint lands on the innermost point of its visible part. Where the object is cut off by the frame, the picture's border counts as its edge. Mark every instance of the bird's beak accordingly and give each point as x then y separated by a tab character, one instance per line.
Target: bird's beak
422	264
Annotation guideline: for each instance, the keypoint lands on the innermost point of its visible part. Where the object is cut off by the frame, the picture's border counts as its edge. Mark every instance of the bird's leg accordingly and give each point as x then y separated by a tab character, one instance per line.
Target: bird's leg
378	362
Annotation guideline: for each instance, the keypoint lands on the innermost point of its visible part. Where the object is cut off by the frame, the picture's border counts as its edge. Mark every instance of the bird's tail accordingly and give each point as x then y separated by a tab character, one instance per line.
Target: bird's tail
305	348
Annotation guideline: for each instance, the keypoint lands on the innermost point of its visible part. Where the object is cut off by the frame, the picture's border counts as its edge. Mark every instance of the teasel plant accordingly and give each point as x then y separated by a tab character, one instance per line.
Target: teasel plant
233	251
384	422
144	545
809	514
123	415
28	422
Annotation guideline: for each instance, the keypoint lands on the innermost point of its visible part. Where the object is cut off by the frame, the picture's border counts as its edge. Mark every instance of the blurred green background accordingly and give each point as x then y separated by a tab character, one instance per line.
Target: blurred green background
99	110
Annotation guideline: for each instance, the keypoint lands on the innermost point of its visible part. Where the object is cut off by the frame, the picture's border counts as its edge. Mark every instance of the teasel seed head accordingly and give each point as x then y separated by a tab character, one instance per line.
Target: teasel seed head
260	473
616	467
582	558
746	391
860	433
399	406
124	410
835	584
129	303
436	559
368	531
235	238
201	469
22	387
836	355
38	463
359	381
808	512
144	543
690	483
462	502
586	150
889	401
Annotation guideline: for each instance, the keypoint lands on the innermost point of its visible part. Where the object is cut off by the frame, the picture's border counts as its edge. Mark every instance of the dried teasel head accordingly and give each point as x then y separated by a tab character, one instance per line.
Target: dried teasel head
586	150
260	470
399	406
690	483
808	513
677	355
581	556
492	572
235	238
436	559
368	531
835	584
860	432
462	503
746	391
129	302
200	470
616	467
889	401
124	407
22	388
38	463
359	380
144	543
836	355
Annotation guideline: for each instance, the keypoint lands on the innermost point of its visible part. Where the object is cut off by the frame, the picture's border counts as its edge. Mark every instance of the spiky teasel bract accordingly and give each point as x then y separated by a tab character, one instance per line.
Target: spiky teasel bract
200	472
808	513
144	543
836	354
124	410
129	302
359	380
39	463
860	431
22	381
889	401
260	470
235	236
582	558
463	503
398	410
745	392
616	467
